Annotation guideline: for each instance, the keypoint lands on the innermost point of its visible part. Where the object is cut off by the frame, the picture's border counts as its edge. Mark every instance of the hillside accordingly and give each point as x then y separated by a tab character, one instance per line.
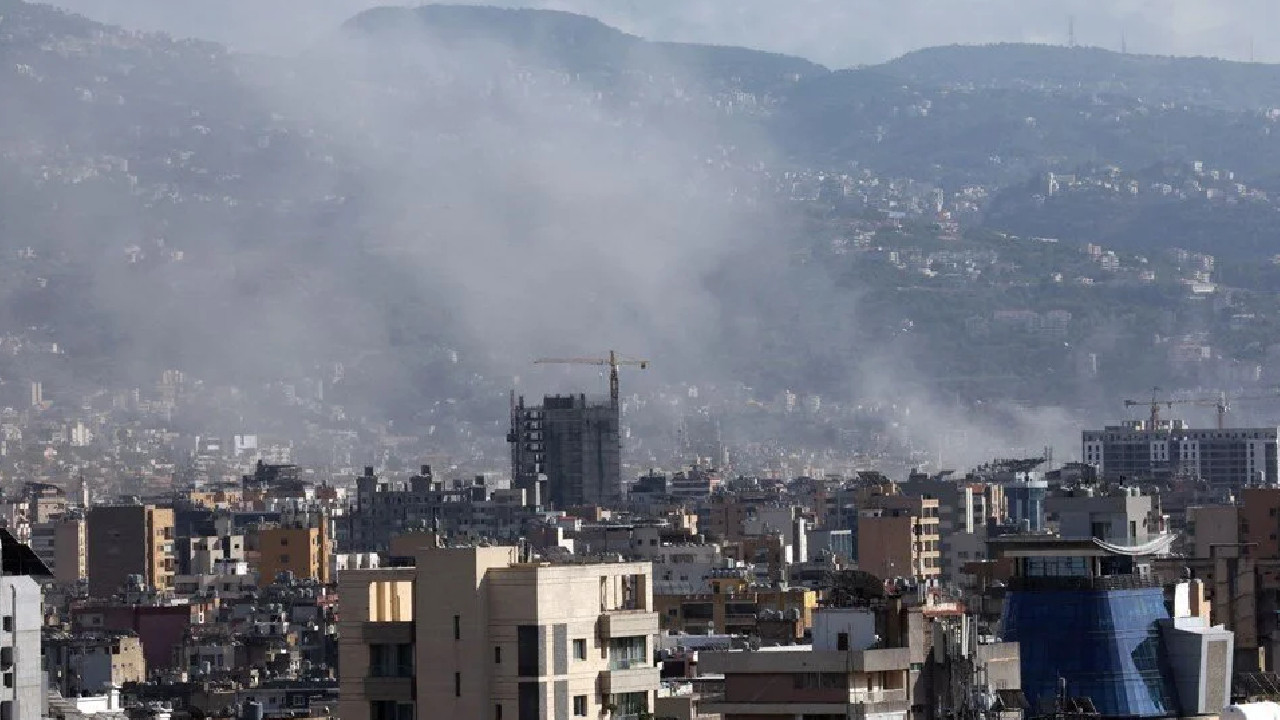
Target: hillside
581	46
444	180
1208	82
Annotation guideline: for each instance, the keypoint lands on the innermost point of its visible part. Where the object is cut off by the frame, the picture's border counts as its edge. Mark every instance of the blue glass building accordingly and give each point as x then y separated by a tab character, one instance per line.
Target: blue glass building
1025	496
1083	619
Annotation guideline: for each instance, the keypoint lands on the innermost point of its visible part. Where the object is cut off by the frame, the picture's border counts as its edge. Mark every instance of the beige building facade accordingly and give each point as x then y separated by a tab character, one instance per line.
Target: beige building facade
472	632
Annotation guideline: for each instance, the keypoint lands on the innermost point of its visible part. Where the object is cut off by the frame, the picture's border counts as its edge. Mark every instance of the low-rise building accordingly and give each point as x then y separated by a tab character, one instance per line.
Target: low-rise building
93	663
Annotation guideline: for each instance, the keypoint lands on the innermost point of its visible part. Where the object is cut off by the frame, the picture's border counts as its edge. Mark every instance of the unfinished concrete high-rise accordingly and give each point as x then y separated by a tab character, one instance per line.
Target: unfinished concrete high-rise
568	451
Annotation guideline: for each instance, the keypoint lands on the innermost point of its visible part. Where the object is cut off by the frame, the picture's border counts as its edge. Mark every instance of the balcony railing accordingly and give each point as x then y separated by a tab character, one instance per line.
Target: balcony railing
858	697
1087	584
628	663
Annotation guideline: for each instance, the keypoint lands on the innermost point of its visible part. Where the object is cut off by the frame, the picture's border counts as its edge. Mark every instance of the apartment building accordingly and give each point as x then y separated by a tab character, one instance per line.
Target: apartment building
1222	457
475	509
22	693
573	443
93	663
965	510
71	549
1121	515
303	551
898	536
125	540
845	673
473	632
733	604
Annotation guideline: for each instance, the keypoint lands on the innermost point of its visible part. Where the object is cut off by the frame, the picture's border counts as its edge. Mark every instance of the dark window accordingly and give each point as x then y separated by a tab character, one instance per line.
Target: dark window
457	627
497	712
527	655
529	693
457	684
579	649
842	641
497	654
579	705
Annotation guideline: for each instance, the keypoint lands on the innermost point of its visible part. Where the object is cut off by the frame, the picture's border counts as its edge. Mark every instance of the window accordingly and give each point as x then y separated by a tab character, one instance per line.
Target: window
822	681
842	641
579	705
457	684
497	712
580	649
284	558
457	627
497	654
7	623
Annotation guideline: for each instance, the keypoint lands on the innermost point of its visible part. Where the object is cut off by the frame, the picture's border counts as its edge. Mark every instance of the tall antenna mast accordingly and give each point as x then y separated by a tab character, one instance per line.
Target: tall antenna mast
1071	30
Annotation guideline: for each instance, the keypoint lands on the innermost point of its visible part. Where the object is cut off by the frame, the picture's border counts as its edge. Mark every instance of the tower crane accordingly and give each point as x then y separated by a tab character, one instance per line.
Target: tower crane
1155	404
613	362
1221	402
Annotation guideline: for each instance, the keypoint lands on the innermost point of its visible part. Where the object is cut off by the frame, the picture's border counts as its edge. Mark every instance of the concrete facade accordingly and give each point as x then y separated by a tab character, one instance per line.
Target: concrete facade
126	540
575	444
490	636
840	675
71	549
93	664
1125	517
1212	525
1233	457
22	616
1260	522
303	551
899	537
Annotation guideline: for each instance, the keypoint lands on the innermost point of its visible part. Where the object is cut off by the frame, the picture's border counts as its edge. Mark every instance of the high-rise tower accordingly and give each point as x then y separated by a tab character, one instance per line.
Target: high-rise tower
568	451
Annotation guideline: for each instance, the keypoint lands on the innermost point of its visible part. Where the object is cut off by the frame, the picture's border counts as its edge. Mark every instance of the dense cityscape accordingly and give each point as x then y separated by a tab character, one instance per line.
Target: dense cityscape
490	363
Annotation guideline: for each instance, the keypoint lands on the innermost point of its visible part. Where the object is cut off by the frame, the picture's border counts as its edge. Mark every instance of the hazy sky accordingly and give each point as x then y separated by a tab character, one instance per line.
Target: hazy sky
834	32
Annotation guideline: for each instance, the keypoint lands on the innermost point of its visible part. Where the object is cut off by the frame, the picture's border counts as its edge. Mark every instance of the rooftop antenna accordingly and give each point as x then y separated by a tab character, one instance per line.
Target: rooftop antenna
1071	30
1124	43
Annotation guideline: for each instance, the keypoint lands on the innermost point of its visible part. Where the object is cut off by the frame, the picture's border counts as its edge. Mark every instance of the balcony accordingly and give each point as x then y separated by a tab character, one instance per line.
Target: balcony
804	660
629	677
627	623
876	697
386	632
388	688
856	709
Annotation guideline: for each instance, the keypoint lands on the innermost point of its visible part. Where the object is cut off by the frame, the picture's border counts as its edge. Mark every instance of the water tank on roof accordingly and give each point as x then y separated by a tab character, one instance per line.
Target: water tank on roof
1252	711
